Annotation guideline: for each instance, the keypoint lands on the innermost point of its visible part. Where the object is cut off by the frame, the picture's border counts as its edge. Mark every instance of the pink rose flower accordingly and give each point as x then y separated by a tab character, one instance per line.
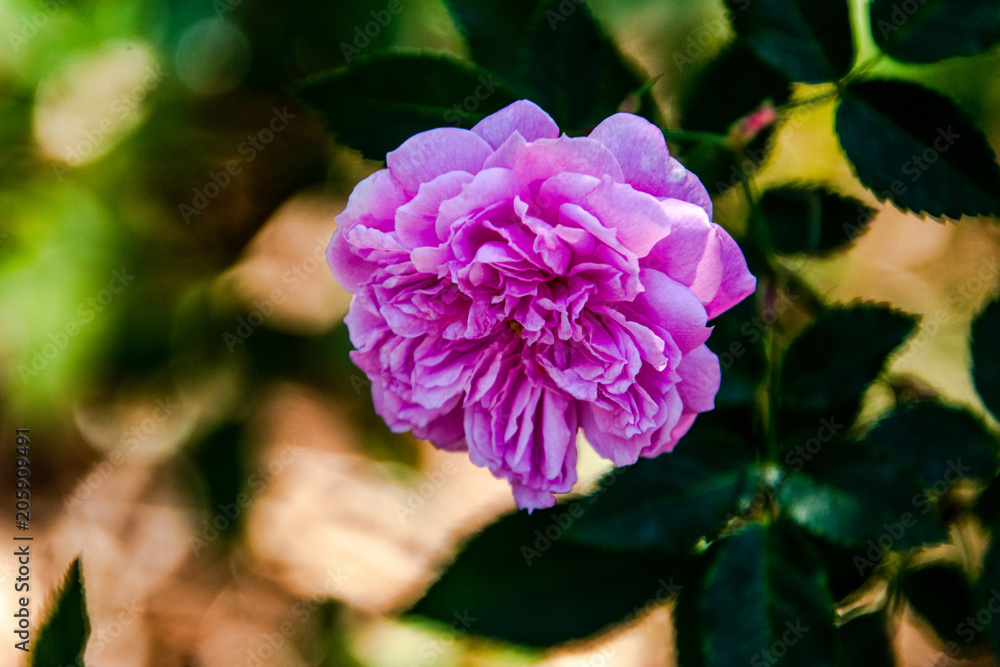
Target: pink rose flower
513	286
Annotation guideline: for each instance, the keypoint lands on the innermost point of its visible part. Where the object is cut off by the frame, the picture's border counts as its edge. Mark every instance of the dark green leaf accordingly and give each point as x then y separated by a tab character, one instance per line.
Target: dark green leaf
830	364
689	625
63	636
380	101
736	339
812	219
865	641
842	574
988	503
932	30
942	595
571	67
941	444
850	493
494	30
917	149
219	461
809	40
520	581
670	502
748	82
766	599
988	590
986	356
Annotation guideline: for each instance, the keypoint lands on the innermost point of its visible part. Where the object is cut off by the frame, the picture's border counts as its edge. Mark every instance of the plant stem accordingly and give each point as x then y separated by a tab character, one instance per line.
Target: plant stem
695	137
863	68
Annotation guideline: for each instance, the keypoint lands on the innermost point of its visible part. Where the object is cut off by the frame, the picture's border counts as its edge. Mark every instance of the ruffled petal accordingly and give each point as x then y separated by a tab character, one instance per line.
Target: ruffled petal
425	156
523	117
700	378
523	431
645	160
539	160
638	220
415	220
703	256
737	282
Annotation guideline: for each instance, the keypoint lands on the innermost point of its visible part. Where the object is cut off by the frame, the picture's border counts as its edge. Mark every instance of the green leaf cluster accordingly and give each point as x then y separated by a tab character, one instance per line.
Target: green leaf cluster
785	525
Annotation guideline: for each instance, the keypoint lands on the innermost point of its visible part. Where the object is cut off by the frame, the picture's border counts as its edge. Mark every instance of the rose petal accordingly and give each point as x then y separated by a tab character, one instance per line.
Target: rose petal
524	117
425	156
640	149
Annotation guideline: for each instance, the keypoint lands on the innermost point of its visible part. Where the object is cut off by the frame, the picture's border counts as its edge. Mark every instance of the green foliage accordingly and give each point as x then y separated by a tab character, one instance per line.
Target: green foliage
917	149
62	638
572	68
748	82
380	101
843	576
932	30
670	502
521	581
943	596
688	623
988	590
219	461
494	29
940	444
766	598
736	339
830	364
985	359
809	40
864	641
849	494
771	507
806	218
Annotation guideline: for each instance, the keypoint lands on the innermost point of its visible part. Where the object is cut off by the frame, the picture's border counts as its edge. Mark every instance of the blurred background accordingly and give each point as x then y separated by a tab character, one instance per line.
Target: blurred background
172	337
